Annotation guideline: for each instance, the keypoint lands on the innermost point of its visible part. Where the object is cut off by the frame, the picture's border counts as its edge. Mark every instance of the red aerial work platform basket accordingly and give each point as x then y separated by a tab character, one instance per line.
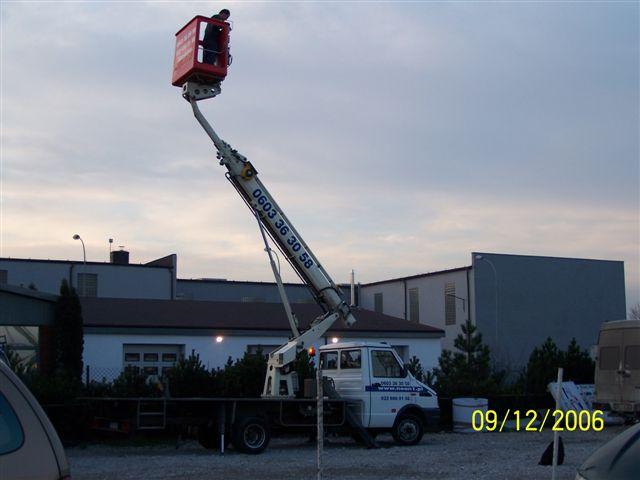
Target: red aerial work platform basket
202	52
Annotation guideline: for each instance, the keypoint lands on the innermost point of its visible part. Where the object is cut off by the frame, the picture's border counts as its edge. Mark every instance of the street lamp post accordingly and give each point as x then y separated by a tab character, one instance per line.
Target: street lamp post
84	258
495	275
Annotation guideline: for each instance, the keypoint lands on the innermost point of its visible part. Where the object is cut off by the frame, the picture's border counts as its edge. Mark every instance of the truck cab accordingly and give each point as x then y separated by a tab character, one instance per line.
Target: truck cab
390	398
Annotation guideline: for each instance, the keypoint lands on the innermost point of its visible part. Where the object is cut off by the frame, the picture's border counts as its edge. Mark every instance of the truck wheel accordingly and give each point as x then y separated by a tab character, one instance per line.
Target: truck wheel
408	430
251	435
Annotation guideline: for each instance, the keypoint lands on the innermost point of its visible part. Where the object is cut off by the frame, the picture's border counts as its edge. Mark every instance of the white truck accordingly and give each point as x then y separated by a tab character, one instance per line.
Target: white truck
388	397
376	390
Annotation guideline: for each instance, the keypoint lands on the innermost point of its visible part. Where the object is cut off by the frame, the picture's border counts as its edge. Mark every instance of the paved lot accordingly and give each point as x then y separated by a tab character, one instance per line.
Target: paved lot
443	456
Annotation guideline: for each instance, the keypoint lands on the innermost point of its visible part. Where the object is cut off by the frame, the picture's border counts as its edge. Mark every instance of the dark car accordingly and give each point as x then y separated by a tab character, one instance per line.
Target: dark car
29	445
618	459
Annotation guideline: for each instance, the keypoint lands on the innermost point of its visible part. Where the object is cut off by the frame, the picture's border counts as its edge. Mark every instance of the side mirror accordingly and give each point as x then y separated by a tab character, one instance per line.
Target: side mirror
404	372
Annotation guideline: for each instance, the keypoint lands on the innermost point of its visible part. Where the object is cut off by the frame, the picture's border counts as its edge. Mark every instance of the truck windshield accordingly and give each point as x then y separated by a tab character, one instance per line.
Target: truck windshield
384	364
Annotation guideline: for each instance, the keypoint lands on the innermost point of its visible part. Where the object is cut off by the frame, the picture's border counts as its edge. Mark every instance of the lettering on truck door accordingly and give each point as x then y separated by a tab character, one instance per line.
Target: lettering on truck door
390	389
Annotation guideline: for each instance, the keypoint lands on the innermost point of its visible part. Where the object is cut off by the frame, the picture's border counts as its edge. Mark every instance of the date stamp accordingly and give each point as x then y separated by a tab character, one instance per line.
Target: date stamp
537	420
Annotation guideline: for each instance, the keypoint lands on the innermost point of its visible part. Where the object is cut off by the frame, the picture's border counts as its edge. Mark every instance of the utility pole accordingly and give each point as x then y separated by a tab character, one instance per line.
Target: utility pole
320	415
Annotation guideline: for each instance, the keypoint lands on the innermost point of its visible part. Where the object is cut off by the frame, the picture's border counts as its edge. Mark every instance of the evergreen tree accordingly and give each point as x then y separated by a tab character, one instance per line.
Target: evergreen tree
415	367
190	378
578	365
68	334
468	371
545	360
542	367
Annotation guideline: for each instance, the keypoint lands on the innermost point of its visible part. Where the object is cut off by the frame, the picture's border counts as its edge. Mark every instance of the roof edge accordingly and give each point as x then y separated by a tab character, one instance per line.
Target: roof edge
420	275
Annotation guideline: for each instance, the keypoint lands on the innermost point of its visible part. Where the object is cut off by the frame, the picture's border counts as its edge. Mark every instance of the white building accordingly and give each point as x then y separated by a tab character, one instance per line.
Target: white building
440	299
153	334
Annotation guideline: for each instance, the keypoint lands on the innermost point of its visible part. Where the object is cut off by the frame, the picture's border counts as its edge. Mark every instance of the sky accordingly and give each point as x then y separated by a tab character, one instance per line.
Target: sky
397	137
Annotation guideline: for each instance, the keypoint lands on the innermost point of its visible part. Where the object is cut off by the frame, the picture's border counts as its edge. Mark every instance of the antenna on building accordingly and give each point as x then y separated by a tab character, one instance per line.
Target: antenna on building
353	288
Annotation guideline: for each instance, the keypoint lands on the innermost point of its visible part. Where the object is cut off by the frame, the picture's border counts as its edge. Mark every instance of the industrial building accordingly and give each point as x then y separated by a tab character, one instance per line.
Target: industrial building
141	315
516	301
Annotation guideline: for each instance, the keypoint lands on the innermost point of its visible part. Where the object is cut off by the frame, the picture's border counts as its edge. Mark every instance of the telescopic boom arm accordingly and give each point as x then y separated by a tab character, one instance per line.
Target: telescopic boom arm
280	379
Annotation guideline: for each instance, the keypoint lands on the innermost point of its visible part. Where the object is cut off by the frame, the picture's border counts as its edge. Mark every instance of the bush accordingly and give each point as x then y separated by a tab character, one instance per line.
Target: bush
544	363
51	389
244	378
190	378
415	367
131	383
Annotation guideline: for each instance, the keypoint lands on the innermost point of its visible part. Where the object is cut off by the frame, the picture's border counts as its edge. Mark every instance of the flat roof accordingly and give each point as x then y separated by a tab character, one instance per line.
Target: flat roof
473	254
28	293
250	282
80	262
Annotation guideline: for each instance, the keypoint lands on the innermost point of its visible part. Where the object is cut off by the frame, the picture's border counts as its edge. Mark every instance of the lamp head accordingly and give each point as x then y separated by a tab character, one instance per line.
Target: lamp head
76	237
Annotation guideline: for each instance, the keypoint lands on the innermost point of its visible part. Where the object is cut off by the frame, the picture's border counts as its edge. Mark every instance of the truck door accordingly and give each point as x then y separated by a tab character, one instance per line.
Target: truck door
608	379
389	388
630	371
349	380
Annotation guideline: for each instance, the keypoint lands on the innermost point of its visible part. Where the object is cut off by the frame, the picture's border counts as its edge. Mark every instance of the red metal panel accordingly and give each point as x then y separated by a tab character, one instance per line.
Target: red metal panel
186	66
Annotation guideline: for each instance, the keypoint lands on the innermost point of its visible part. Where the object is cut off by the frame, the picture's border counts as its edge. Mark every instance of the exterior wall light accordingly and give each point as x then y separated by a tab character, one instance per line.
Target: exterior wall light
219	339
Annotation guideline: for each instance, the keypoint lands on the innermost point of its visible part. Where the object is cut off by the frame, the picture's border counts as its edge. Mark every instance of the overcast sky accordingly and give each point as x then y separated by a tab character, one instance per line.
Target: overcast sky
397	137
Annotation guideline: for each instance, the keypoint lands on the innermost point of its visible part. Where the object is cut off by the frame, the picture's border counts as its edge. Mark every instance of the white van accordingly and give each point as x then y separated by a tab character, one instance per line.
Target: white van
391	398
29	445
617	376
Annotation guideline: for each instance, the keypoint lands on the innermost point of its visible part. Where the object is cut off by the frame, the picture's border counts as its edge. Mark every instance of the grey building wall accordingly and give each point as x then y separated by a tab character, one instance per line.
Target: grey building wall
115	281
540	297
238	291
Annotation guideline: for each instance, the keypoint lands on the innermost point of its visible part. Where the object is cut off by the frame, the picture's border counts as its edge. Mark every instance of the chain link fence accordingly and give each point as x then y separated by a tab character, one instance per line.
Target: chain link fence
97	374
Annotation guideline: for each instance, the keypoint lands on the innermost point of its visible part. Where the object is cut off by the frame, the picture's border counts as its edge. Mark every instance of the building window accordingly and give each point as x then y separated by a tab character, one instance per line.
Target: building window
377	302
151	360
265	349
88	284
414	305
4	277
450	303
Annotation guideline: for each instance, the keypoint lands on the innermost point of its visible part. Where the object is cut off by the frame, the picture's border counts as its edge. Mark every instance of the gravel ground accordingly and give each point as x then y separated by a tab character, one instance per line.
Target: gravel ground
512	455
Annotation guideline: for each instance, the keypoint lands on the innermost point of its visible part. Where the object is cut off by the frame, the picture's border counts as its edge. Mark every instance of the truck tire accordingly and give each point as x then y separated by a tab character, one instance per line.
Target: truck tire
251	435
408	430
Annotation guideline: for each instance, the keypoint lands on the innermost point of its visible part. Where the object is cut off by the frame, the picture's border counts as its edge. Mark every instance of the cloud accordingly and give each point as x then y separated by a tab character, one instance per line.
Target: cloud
398	139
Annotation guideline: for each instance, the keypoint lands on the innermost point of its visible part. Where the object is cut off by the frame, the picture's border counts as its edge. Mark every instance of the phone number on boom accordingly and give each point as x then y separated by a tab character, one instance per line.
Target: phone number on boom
262	202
